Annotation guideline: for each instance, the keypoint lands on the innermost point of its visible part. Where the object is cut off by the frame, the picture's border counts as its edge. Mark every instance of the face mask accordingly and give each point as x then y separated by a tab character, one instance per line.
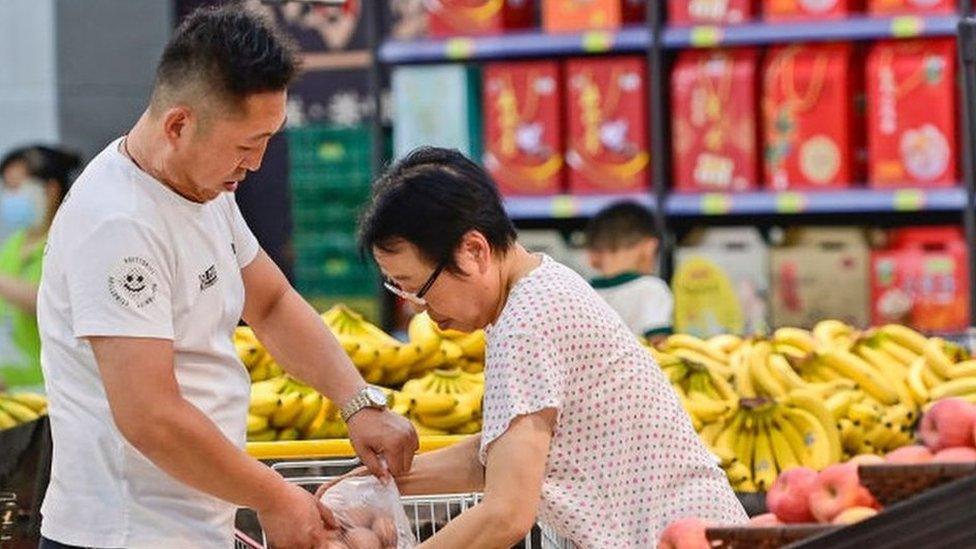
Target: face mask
23	207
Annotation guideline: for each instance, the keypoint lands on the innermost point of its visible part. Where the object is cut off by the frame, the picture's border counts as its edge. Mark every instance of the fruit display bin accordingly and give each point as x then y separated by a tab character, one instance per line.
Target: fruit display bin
331	448
764	538
891	483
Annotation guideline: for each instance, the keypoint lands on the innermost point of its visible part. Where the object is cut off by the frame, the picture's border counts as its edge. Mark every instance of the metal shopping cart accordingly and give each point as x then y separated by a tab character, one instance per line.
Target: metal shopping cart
427	514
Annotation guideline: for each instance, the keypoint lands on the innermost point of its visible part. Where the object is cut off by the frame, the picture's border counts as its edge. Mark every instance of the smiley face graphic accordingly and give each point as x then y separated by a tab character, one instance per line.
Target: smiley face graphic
133	282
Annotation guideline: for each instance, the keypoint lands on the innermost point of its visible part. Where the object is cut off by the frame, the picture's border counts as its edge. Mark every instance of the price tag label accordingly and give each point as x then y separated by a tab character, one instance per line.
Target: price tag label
791	203
706	36
716	204
459	48
909	200
907	26
597	41
564	206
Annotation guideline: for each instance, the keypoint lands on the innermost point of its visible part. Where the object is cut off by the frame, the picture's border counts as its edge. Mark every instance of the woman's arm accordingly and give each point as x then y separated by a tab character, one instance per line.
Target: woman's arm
451	470
19	293
513	486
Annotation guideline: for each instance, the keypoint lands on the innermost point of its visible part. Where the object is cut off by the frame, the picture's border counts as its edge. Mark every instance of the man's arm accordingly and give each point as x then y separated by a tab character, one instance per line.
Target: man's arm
19	293
177	437
303	346
513	487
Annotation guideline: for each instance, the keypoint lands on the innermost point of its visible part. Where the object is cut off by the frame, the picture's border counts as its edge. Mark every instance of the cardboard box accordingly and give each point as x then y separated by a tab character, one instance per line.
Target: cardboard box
821	273
922	280
714	108
710	12
421	97
912	130
912	7
809	10
523	126
607	148
478	17
583	15
721	284
812	128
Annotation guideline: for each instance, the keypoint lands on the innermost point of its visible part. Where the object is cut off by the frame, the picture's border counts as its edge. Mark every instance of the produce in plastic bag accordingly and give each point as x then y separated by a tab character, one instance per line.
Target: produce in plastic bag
370	515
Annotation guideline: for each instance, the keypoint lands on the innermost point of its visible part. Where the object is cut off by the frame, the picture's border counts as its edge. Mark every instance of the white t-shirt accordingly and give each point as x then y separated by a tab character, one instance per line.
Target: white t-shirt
644	302
624	460
127	256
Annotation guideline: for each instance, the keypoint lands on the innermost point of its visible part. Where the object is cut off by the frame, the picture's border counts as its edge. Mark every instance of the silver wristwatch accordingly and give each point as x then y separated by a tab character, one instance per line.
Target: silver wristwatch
368	397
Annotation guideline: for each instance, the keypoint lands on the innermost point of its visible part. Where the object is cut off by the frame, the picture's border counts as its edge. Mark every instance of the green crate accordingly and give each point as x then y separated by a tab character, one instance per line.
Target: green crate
309	218
343	152
315	280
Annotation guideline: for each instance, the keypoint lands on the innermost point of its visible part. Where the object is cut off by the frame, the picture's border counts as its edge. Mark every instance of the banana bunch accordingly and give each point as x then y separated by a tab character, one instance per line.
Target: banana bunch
445	348
19	408
259	363
281	408
766	436
443	402
699	379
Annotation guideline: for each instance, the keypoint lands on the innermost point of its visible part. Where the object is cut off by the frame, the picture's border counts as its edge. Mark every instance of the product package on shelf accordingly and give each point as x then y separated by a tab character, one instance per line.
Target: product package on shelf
922	279
714	113
422	97
813	135
821	273
607	149
583	15
478	17
523	126
911	7
912	131
701	12
807	10
721	283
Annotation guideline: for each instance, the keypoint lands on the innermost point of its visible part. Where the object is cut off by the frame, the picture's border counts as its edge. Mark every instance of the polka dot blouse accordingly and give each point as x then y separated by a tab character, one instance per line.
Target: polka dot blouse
624	460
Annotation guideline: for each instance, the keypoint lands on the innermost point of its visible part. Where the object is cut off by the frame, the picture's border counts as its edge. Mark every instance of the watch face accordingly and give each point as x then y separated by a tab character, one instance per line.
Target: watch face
376	396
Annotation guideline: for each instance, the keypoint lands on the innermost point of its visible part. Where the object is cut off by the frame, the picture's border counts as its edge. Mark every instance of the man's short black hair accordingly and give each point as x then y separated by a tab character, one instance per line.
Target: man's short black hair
432	198
619	225
227	52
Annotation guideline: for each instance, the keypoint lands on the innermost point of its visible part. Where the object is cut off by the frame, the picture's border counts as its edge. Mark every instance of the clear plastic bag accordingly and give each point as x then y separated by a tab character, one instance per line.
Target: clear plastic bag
370	514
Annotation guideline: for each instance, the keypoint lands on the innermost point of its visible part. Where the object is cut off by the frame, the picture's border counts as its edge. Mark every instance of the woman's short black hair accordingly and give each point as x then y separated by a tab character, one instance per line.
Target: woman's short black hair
619	225
11	158
432	198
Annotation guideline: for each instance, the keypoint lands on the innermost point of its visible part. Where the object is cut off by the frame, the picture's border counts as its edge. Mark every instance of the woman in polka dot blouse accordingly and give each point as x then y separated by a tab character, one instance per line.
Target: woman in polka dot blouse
581	429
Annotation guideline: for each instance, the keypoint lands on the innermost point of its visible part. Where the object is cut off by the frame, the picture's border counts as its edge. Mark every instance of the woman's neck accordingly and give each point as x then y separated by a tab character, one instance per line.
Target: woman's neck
517	264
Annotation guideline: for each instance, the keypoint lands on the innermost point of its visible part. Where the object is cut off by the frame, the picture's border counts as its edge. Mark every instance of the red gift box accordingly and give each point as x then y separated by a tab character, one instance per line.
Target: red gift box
812	132
584	15
807	10
714	106
478	17
702	12
607	149
912	131
922	280
911	7
523	130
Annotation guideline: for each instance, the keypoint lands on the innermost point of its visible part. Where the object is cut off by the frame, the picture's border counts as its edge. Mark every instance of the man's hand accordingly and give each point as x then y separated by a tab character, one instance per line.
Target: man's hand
382	434
295	519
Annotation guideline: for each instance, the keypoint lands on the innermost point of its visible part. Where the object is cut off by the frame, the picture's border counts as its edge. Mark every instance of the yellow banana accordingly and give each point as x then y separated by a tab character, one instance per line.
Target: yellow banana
264	404
797	338
464	412
742	376
473	345
851	435
863	415
852	367
831	332
891	369
793	437
956	387
814	437
256	423
966	368
275	385
288	411
696	345
811	403
469	428
936	358
421	332
780	368
697	358
705	409
789	351
738	474
903	355
34	401
431	404
725	343
839	403
260	372
312	404
745	442
452	351
266	435
905	336
725	441
290	433
762	378
16	410
786	459
433	361
426	431
764	464
6	420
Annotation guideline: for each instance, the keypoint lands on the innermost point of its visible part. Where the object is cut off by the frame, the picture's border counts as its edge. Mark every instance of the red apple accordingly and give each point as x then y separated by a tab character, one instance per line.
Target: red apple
766	519
907	455
958	454
855	514
838	488
686	533
949	422
789	497
866	459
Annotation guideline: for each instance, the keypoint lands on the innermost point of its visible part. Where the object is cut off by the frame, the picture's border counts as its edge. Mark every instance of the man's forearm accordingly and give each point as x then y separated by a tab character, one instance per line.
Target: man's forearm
451	470
186	444
304	347
19	293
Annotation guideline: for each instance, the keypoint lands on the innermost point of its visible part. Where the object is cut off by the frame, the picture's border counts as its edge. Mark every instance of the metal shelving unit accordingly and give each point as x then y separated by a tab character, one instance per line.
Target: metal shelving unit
658	42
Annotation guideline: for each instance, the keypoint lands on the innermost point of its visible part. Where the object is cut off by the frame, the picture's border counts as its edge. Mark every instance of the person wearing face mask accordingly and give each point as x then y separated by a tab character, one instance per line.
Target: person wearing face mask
36	179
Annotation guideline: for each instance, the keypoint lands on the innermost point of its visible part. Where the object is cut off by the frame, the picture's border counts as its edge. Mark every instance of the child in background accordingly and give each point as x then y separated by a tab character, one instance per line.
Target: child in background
622	246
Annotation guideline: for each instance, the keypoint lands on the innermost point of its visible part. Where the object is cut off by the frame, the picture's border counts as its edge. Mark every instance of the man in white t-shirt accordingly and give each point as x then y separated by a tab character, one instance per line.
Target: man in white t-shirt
149	267
621	244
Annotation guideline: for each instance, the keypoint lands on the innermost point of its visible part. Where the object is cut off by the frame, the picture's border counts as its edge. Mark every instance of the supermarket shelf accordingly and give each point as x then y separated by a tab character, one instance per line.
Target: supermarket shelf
855	28
637	39
331	448
514	45
567	206
822	202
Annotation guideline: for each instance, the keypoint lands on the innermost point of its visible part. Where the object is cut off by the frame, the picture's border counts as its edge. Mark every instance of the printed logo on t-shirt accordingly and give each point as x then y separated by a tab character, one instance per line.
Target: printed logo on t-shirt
133	283
208	278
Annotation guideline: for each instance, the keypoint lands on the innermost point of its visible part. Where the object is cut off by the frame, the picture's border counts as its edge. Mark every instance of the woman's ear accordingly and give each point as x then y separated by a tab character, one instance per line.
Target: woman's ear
474	251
